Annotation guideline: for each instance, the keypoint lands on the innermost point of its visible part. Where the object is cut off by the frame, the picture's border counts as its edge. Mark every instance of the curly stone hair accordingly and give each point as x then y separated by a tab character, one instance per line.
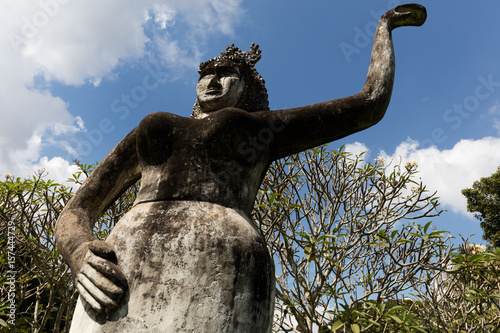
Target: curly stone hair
254	96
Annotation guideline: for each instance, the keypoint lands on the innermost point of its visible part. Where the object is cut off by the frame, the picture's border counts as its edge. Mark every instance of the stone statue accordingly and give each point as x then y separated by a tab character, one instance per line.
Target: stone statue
187	257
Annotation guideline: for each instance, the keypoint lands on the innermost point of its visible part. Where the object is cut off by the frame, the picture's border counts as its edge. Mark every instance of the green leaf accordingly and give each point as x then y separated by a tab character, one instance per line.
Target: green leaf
394	234
475	257
307	252
306	236
395	318
325	237
395	308
338	324
272	198
427	226
355	328
374	322
288	301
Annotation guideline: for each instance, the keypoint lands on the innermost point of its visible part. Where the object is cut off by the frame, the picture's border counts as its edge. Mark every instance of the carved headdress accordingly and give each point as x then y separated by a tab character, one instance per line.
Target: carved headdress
254	97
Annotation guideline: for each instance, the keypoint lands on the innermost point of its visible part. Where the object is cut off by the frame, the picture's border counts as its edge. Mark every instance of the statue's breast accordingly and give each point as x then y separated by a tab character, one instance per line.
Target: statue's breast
156	135
222	135
184	158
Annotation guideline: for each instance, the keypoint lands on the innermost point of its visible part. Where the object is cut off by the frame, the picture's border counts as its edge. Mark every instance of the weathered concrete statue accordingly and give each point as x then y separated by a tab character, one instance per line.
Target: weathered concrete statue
187	257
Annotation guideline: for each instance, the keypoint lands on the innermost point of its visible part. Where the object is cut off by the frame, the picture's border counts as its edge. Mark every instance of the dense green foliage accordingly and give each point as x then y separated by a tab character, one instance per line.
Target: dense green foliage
35	273
483	199
44	294
465	298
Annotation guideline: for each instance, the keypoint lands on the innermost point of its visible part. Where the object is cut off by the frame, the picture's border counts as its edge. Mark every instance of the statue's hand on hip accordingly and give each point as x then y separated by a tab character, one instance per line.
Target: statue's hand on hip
101	282
406	15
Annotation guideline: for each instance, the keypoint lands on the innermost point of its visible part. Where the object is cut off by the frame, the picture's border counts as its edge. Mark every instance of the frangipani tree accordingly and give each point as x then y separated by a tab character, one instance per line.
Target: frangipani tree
347	237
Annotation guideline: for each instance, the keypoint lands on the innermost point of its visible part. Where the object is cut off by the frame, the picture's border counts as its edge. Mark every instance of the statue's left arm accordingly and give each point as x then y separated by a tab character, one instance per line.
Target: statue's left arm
309	126
93	263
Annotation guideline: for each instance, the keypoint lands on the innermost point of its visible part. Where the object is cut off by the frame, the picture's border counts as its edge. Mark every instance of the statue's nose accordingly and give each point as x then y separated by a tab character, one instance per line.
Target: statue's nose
214	81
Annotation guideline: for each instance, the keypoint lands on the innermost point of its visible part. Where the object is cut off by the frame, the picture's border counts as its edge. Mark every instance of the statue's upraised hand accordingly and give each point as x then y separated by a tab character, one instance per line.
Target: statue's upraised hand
410	14
100	281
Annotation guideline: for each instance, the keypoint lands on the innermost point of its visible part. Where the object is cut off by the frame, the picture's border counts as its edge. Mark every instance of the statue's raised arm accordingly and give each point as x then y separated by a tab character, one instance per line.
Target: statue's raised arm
312	125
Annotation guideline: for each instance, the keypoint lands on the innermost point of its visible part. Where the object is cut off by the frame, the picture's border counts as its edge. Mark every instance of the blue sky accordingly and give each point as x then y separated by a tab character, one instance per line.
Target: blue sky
79	75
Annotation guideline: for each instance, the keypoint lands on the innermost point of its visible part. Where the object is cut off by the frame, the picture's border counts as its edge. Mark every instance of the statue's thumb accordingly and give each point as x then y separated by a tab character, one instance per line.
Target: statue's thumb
103	250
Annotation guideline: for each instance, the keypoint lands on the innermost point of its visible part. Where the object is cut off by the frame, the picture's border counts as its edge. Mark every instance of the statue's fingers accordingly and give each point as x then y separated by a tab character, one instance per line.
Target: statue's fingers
109	270
102	282
94	304
95	293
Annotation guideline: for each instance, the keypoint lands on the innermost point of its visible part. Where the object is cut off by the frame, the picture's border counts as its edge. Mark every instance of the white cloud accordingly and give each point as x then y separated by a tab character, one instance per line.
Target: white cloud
208	16
164	16
357	148
450	171
58	169
81	42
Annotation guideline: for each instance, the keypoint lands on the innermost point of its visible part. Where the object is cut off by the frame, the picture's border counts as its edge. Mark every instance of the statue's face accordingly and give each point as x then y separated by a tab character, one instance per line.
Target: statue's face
220	86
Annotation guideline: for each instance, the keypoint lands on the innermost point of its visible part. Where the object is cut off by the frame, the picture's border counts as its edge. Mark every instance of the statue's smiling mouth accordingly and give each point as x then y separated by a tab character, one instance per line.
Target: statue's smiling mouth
214	91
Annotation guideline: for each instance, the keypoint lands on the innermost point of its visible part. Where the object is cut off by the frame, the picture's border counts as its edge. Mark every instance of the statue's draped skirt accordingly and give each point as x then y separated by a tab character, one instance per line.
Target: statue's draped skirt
191	267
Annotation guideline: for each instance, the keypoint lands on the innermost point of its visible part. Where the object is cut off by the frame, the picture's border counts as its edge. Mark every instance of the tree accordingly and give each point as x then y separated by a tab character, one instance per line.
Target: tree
483	199
345	241
466	297
36	292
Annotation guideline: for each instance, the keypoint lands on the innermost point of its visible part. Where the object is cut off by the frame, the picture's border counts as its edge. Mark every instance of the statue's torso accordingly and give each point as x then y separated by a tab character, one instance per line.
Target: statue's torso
201	159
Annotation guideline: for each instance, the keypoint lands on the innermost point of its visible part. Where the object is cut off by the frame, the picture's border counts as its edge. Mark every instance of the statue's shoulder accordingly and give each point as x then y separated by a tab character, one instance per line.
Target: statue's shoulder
164	119
226	119
233	114
162	115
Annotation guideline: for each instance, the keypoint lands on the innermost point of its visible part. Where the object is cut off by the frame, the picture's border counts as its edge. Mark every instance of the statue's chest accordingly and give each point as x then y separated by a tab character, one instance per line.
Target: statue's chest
162	136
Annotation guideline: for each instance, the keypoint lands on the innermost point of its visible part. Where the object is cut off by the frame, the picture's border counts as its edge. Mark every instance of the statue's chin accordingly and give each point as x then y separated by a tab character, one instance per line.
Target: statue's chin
215	105
212	104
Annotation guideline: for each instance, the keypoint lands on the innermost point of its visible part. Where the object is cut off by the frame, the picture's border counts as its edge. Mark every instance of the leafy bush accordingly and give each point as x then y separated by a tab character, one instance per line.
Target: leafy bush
32	268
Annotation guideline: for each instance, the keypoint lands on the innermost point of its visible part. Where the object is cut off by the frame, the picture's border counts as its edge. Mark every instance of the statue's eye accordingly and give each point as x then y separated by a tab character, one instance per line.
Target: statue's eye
206	76
220	72
228	72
